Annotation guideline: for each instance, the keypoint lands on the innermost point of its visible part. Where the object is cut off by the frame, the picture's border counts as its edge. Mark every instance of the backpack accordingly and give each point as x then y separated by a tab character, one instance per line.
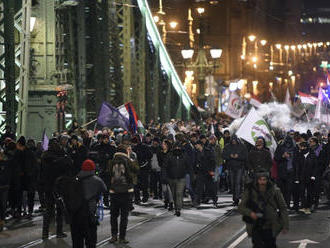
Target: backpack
69	194
120	179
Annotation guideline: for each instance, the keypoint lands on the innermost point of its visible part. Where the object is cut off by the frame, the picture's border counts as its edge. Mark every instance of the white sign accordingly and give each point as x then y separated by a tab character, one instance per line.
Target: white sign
235	106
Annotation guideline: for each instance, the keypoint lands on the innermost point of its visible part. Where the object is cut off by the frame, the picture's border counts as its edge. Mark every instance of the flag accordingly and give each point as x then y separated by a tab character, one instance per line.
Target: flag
45	141
307	99
141	128
322	107
287	100
255	126
128	111
111	117
254	101
273	96
235	106
298	109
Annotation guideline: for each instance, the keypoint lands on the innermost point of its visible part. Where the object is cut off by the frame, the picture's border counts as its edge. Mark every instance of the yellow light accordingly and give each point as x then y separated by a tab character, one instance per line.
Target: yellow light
254	59
243	57
299	46
189	73
173	24
320	44
314	44
247	95
263	42
286	47
200	10
278	46
271	68
309	45
290	73
328	43
255	66
304	46
252	37
293	47
271	84
255	83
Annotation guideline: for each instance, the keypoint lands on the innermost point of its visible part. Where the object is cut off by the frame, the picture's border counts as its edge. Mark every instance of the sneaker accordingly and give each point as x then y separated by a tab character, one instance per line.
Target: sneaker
61	235
113	239
123	241
307	211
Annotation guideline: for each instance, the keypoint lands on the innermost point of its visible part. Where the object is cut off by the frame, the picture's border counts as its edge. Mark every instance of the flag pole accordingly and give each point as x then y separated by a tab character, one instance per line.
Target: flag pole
86	124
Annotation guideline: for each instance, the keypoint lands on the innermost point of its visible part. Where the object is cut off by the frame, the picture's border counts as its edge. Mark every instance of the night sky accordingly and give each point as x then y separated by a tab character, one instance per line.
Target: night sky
317	3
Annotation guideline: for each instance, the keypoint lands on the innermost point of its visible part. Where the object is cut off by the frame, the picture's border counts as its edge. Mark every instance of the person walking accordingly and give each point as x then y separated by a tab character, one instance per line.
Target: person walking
264	211
122	170
84	222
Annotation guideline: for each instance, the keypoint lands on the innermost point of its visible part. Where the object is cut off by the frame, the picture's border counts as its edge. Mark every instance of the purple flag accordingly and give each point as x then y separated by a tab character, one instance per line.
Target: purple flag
45	141
111	117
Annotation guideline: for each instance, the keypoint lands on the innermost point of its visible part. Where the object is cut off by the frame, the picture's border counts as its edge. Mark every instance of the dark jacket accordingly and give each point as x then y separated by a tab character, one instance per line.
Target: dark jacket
205	161
240	150
283	167
78	154
53	165
275	202
144	155
177	166
259	159
312	166
5	174
163	173
93	187
299	163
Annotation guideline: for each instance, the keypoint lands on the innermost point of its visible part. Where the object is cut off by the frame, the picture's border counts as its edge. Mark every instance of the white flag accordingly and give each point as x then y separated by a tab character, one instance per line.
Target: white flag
255	126
235	106
287	100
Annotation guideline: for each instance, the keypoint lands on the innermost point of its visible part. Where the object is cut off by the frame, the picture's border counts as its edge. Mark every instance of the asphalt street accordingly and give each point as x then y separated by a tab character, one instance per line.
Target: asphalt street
150	225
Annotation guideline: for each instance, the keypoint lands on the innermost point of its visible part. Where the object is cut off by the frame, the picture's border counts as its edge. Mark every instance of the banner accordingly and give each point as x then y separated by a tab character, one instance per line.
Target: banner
255	126
235	106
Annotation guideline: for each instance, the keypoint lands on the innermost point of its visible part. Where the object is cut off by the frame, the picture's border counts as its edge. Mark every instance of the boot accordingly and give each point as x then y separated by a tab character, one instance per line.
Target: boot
2	224
170	208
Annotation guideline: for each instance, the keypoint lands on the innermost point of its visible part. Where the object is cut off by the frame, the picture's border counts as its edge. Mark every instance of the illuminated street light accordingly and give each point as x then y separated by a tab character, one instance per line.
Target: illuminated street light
263	42
299	46
287	47
304	46
254	59
216	53
293	47
156	19
187	54
290	73
173	24
252	37
278	46
200	10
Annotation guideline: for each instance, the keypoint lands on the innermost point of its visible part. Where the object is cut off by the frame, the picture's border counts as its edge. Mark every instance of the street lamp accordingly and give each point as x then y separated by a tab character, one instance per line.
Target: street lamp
187	54
252	37
173	24
201	10
216	53
263	42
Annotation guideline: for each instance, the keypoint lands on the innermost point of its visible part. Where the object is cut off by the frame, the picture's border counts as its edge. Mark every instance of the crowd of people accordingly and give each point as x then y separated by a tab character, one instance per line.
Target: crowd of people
168	162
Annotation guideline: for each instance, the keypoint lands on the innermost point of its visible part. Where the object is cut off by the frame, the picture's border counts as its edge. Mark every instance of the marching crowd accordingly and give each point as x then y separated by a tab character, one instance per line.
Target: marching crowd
170	161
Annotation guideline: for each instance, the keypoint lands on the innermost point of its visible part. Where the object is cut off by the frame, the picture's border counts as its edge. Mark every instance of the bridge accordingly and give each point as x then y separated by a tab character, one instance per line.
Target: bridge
60	59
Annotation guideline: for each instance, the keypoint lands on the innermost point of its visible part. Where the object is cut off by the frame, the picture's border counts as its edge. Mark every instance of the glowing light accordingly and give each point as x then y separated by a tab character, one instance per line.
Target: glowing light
156	19
243	57
32	23
254	66
293	47
216	53
252	37
271	84
247	95
240	84
187	54
200	10
309	45
263	42
299	46
271	68
278	46
254	59
286	47
173	24
304	46
290	73
233	86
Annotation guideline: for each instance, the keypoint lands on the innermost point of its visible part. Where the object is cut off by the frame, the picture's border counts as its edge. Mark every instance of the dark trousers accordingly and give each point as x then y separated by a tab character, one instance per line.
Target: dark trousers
119	206
50	213
143	184
41	195
236	179
155	185
3	202
263	238
177	188
286	186
205	186
296	195
83	228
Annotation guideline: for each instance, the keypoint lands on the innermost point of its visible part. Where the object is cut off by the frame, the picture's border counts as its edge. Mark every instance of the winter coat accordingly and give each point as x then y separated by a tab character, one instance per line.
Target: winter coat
299	163
218	153
93	187
274	220
53	165
205	161
177	166
259	159
105	154
144	155
240	161
131	168
78	154
5	172
163	173
282	162
312	167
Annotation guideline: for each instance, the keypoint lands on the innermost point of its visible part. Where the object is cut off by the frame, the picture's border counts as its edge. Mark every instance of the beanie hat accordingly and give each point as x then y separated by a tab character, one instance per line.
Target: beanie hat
88	165
262	173
21	141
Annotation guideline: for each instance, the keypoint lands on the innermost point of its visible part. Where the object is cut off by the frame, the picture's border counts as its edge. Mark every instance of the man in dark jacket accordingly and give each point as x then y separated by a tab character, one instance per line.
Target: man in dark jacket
122	170
177	167
259	157
284	156
54	163
235	155
205	167
84	221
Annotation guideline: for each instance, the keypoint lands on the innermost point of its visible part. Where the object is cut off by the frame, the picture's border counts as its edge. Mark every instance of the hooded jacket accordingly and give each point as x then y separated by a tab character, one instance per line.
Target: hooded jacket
274	220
